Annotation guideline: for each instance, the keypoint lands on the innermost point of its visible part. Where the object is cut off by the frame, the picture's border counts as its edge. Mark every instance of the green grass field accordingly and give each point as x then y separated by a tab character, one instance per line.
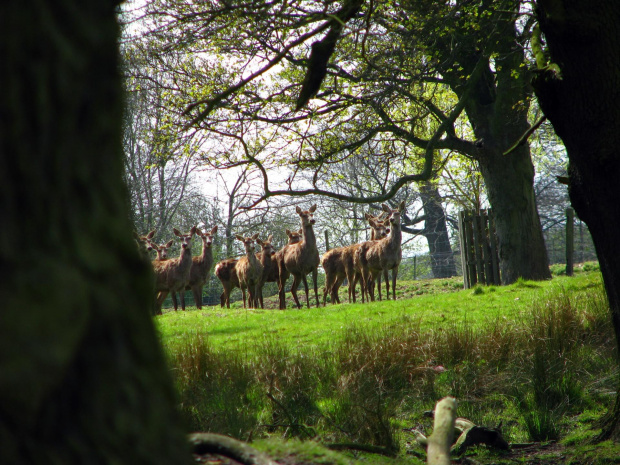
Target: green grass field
536	356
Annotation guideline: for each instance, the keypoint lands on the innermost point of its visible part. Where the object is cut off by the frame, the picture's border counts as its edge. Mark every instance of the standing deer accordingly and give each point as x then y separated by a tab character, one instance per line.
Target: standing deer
267	259
171	276
300	259
338	263
383	255
249	271
201	265
225	271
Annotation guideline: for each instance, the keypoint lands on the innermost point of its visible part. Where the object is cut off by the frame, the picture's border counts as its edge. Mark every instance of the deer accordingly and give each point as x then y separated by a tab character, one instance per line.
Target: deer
161	250
300	259
249	271
201	265
142	242
267	259
225	271
171	276
338	263
383	255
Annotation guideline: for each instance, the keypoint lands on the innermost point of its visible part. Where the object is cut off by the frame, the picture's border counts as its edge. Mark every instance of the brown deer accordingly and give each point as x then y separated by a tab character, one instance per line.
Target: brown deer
249	271
142	242
383	255
338	263
225	271
300	259
267	259
161	250
171	276
201	265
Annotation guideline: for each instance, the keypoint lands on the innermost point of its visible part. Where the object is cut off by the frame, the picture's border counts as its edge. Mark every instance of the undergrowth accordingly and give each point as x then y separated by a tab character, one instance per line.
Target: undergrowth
370	385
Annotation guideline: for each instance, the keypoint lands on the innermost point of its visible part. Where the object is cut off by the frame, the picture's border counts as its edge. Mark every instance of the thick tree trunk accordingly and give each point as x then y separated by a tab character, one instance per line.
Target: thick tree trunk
583	40
436	232
497	111
82	377
510	186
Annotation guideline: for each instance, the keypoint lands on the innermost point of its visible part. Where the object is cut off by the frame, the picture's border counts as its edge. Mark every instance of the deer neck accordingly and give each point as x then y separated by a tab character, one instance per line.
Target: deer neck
207	252
308	237
395	237
185	259
251	257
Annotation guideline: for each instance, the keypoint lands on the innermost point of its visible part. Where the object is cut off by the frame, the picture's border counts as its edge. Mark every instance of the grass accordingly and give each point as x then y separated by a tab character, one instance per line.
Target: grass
537	356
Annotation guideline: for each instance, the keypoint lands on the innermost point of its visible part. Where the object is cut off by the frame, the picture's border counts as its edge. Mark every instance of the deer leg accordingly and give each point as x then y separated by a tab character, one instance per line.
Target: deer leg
294	286
315	275
243	293
182	294
159	300
335	289
387	284
394	273
197	292
305	281
174	301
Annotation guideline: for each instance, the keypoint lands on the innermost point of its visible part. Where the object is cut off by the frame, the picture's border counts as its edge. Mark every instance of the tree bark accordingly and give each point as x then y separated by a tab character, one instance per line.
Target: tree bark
497	111
436	232
498	115
582	104
82	376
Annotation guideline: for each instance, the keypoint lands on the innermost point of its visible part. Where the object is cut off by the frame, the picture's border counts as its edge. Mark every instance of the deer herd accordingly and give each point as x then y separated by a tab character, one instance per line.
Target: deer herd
366	262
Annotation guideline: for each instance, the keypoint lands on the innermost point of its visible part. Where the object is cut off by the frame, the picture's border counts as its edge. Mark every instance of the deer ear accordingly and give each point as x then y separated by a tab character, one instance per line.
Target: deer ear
151	234
214	230
386	208
288	233
298	210
312	208
255	237
367	216
300	232
193	230
401	207
169	243
270	238
239	237
176	232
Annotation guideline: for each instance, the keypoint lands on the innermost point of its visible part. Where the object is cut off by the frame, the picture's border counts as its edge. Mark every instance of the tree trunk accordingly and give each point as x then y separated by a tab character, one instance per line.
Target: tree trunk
582	105
509	182
82	376
436	232
498	112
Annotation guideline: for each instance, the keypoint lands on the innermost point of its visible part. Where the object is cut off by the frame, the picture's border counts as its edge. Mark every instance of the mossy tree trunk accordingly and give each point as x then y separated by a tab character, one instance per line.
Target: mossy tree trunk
582	103
82	376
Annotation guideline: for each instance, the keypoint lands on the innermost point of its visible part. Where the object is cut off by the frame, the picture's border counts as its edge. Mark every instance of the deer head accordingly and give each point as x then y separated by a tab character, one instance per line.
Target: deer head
248	242
266	246
307	216
186	239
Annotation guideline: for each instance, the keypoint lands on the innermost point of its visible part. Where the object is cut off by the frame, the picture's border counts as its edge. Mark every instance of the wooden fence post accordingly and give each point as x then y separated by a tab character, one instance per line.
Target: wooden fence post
463	241
570	245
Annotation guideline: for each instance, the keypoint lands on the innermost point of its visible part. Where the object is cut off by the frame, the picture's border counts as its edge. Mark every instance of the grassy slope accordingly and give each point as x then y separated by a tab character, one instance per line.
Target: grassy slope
433	305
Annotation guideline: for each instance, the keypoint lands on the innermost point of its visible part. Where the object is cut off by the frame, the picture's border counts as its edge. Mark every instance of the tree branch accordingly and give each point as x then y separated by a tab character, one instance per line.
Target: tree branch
525	136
